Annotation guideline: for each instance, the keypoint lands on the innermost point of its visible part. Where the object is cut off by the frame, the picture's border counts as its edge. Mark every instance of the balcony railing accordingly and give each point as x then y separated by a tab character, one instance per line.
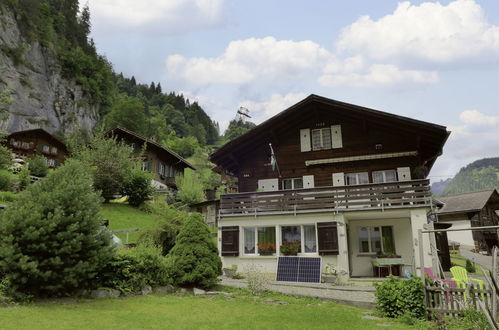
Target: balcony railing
376	196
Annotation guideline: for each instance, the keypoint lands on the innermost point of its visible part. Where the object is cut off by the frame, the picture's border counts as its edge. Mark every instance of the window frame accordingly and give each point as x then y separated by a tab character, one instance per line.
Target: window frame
256	240
292	183
370	243
383	172
321	130
356	178
302	238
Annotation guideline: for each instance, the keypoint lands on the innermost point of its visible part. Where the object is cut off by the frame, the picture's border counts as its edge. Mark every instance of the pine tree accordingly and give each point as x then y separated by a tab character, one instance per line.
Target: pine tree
194	259
51	242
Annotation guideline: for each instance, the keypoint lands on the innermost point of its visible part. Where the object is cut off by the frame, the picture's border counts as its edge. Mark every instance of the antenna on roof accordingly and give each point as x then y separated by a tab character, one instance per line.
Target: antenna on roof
242	114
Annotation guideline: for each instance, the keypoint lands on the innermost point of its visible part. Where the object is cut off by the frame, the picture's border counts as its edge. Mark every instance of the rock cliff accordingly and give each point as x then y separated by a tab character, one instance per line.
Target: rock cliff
41	96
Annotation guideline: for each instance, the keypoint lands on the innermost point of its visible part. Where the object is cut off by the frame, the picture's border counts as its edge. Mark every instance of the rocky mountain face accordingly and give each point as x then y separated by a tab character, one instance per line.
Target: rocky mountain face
41	97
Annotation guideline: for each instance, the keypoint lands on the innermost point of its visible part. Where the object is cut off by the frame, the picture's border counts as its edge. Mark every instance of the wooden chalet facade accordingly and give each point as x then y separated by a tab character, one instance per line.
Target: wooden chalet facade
346	182
473	209
161	161
29	143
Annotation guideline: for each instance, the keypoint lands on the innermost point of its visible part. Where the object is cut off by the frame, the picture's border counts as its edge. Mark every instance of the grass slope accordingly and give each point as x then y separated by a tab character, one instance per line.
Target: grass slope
123	216
190	312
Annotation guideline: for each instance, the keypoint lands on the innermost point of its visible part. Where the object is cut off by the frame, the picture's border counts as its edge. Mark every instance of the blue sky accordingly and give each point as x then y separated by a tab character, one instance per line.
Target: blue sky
433	61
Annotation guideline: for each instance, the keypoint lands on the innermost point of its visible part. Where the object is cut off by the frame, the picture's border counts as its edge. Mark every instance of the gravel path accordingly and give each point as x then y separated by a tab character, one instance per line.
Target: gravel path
359	296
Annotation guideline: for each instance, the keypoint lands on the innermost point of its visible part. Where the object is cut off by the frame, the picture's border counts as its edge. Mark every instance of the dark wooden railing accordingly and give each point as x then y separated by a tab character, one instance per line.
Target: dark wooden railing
414	193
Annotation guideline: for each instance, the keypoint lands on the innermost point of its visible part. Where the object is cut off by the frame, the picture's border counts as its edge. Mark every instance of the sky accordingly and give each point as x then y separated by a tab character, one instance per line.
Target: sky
432	61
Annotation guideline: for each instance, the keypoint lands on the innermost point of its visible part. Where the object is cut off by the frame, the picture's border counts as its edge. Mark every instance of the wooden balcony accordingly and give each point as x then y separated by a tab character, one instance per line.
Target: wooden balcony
374	196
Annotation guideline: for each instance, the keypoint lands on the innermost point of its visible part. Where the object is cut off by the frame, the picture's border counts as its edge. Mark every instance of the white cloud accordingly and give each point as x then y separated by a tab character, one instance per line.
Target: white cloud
474	117
261	111
244	61
429	33
171	17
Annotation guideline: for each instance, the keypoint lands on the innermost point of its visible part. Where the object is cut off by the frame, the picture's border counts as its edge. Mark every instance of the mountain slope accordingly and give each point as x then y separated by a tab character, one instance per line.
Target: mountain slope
480	175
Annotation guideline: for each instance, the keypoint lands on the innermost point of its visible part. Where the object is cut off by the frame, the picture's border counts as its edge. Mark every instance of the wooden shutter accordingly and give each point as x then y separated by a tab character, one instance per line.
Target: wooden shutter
230	241
336	139
404	173
305	139
308	181
327	234
268	185
338	179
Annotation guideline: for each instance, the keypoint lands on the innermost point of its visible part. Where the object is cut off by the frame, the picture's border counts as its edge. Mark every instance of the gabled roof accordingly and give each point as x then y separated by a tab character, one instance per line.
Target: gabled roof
40	131
465	203
436	133
150	143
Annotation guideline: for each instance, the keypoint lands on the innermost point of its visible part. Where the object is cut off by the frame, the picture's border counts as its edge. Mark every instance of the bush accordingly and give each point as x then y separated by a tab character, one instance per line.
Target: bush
470	319
194	259
131	270
190	187
257	282
396	296
38	166
52	243
24	178
165	233
5	179
138	187
5	157
470	266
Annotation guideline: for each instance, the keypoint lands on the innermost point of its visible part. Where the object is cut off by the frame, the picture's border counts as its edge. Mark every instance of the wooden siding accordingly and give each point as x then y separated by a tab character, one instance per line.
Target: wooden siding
37	138
379	196
358	137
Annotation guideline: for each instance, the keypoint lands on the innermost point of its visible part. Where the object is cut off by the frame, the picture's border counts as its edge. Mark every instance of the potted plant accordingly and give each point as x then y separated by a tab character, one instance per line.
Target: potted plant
266	249
290	248
329	274
230	272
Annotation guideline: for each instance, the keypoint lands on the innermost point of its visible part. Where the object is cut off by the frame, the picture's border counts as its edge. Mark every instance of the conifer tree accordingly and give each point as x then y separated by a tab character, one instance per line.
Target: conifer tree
51	242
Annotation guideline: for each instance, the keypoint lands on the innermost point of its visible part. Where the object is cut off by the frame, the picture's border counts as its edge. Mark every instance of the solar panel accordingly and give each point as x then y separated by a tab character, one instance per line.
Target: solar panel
299	269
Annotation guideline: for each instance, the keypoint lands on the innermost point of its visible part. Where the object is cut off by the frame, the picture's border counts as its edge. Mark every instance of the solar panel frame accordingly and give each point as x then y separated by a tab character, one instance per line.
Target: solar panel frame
299	269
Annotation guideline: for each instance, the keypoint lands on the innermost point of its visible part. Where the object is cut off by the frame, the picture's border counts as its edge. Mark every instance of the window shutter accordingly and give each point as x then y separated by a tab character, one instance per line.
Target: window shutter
336	139
308	181
327	233
305	139
404	173
338	179
230	241
268	185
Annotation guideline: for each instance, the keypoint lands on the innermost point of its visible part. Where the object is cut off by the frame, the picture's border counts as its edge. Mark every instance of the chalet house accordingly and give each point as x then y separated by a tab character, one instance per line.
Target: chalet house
347	184
29	143
161	161
474	209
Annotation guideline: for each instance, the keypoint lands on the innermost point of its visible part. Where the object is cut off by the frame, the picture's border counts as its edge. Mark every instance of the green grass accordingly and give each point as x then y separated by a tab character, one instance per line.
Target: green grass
123	216
462	263
189	312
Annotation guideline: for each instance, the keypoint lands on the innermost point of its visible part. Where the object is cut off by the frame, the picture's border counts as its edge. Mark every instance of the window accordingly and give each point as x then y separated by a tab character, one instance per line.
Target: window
321	138
296	183
45	149
304	234
254	237
161	168
384	176
51	162
356	178
53	150
376	240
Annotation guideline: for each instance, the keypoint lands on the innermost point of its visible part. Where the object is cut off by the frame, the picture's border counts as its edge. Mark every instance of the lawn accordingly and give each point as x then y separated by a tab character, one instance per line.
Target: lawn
123	216
242	311
459	260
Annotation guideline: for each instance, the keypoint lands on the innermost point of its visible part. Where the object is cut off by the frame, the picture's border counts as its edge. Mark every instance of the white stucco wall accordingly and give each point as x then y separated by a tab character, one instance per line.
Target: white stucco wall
463	237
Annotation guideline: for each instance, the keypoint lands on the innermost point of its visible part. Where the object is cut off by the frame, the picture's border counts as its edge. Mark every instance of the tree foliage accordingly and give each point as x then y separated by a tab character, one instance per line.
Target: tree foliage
190	187
38	166
127	112
52	242
137	187
110	162
237	128
194	259
482	174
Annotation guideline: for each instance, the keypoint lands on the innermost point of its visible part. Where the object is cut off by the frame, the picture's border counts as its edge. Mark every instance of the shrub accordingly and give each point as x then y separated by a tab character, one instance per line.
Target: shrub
38	166
5	179
257	282
138	187
190	187
470	319
24	178
470	266
194	259
52	243
131	270
5	157
165	233
396	296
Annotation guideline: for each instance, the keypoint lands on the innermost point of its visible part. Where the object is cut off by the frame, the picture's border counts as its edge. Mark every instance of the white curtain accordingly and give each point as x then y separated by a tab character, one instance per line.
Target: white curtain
309	237
249	240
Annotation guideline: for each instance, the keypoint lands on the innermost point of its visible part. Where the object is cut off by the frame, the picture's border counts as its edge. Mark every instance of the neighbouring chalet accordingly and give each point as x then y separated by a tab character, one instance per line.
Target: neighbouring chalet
474	209
161	161
347	183
29	143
